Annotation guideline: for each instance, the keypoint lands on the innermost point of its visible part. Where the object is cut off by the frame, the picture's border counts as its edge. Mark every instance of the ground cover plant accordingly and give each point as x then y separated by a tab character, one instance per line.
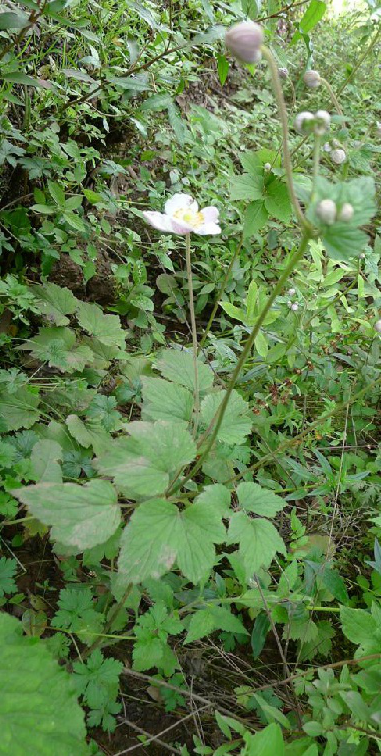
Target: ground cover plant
190	379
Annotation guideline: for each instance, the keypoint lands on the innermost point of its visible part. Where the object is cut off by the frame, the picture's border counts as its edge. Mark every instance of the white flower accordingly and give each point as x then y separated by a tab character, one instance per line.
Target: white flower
326	211
182	216
303	121
338	156
267	166
378	326
244	41
323	122
312	79
346	213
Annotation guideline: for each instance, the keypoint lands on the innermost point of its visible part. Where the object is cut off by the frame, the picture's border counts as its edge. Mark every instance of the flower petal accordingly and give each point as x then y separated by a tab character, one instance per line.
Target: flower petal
180	227
158	220
180	202
208	229
210	214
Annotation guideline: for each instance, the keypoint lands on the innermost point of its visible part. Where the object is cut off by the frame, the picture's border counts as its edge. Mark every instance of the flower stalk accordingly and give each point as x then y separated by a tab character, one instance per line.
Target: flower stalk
194	331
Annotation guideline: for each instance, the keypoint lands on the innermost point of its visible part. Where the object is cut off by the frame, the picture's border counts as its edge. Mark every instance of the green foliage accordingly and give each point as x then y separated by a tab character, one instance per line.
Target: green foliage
196	539
39	705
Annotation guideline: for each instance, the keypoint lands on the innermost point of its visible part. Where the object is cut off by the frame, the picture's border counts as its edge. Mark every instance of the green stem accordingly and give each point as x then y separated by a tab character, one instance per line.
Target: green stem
332	96
112	617
277	86
215	425
360	61
220	293
194	330
316	162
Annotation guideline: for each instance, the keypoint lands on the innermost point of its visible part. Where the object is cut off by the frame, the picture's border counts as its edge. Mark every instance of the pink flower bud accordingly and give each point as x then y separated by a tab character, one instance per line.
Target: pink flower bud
378	326
292	292
312	79
244	41
267	166
326	211
283	73
346	213
338	156
303	122
295	307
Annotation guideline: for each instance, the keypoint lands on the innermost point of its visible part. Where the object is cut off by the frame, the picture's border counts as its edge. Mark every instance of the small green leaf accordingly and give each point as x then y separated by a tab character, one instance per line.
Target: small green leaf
57	193
13	20
45	459
277	201
258	540
256	217
267	742
222	68
259	634
106	328
358	625
259	500
312	16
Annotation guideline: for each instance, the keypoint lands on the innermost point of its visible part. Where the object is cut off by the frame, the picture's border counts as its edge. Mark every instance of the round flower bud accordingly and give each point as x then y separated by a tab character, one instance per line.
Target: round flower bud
378	326
295	307
312	79
292	292
323	120
283	73
363	255
303	122
338	156
327	147
326	211
244	41
346	213
267	166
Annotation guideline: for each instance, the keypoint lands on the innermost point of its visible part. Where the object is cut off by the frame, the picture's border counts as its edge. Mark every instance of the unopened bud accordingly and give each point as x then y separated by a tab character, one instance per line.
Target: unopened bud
283	73
295	307
378	326
303	122
312	79
292	292
338	156
346	213
323	120
327	147
326	211
267	166
244	41
363	255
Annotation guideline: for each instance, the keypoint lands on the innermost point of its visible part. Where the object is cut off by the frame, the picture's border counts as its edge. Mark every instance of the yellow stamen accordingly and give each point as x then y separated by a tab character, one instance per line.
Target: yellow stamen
191	217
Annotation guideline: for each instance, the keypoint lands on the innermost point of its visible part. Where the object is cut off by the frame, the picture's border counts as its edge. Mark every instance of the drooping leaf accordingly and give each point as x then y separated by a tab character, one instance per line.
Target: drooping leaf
80	516
39	712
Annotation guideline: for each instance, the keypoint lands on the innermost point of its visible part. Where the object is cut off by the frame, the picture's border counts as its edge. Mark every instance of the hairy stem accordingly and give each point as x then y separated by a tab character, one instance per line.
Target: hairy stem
333	96
220	293
284	122
194	331
215	425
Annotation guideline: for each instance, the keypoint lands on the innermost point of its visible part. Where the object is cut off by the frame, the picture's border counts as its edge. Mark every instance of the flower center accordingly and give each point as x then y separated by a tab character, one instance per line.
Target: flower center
191	217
